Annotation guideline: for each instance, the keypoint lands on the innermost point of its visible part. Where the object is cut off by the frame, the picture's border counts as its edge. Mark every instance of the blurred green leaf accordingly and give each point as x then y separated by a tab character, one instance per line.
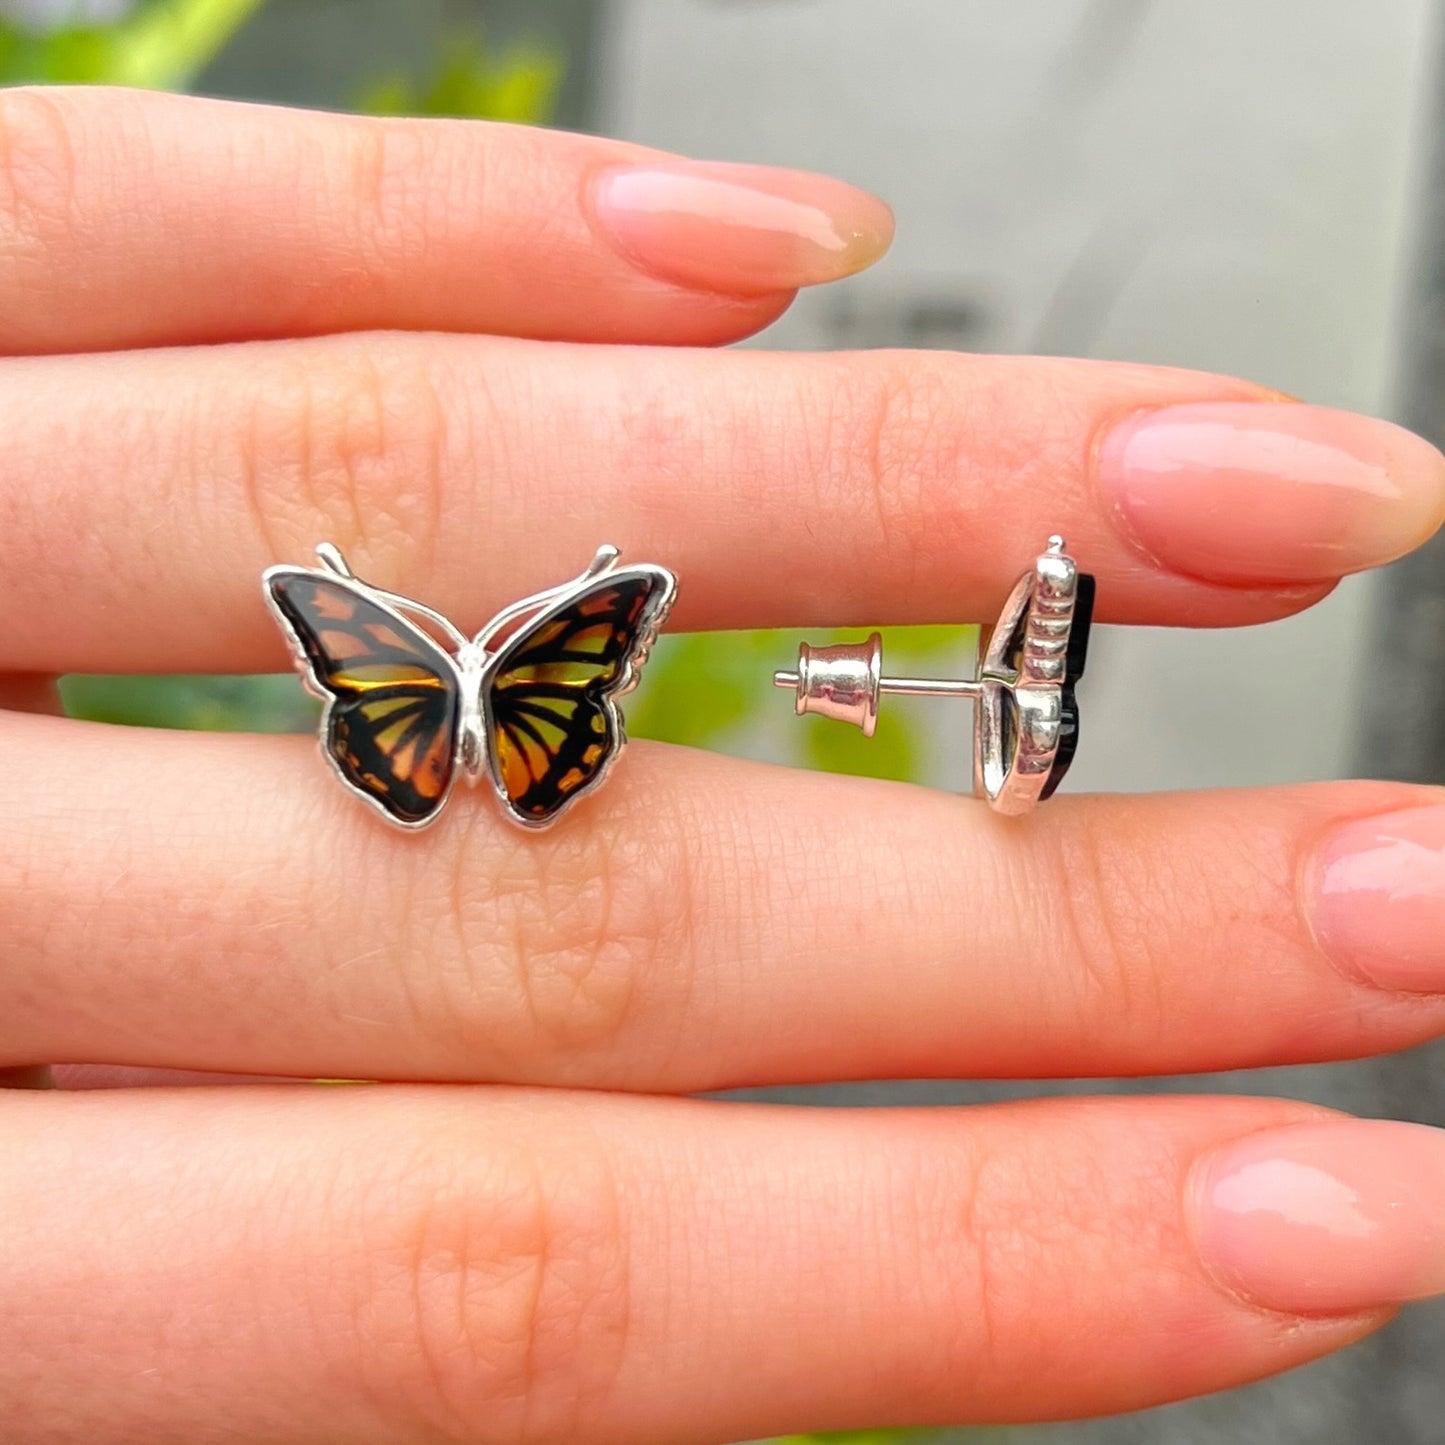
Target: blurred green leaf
702	686
77	54
518	84
207	704
167	43
162	45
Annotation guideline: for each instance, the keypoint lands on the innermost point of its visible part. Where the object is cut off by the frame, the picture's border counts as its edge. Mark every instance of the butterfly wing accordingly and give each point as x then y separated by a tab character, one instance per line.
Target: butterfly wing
392	696
553	727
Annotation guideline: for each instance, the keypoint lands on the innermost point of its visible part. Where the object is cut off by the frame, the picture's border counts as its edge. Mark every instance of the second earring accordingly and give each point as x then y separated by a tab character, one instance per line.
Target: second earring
1026	714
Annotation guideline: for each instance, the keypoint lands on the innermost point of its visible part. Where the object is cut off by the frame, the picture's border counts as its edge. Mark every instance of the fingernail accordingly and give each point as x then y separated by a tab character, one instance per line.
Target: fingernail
1270	492
1377	899
1330	1218
739	229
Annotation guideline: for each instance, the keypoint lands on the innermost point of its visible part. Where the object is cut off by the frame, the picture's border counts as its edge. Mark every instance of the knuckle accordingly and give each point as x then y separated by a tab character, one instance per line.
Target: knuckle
1035	1228
37	172
398	172
1114	903
504	1282
895	424
350	445
413	188
587	927
1002	1248
1030	1242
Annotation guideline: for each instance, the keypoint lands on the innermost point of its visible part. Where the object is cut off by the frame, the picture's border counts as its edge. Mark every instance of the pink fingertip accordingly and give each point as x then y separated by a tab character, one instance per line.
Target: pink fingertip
1377	899
1333	1218
739	229
1256	493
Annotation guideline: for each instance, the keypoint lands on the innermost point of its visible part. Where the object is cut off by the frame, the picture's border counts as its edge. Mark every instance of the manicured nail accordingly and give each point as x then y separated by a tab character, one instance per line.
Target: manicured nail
738	229
1256	493
1332	1218
1377	899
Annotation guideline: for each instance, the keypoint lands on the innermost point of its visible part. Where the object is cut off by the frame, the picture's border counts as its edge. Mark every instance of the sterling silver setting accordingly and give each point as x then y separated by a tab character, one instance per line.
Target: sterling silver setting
1025	723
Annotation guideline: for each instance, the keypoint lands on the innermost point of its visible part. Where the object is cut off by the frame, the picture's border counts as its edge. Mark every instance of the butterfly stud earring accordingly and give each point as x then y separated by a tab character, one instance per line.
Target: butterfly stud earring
1026	714
531	700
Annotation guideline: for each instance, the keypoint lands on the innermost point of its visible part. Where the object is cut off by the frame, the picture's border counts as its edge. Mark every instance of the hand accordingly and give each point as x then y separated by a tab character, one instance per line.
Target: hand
558	1250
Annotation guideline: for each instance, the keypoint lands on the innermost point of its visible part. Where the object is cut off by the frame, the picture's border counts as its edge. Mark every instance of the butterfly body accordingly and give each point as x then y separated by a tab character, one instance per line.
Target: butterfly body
529	702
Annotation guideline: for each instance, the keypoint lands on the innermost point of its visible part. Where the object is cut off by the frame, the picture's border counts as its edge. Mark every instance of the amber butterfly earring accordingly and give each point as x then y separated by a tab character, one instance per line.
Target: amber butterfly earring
530	701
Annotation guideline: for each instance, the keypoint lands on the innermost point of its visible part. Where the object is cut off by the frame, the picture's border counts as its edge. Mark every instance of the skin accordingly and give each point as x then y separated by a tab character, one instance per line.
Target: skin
224	336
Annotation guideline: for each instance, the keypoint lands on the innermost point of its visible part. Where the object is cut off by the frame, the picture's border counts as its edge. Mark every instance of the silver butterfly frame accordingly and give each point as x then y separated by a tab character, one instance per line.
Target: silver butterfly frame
474	665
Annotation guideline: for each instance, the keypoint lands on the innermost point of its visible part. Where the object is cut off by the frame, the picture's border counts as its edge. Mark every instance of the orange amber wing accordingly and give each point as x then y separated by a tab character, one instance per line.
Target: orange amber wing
552	727
392	695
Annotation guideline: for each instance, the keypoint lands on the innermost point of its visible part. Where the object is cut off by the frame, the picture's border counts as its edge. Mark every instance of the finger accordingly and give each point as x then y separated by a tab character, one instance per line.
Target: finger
146	493
408	1265
129	218
220	903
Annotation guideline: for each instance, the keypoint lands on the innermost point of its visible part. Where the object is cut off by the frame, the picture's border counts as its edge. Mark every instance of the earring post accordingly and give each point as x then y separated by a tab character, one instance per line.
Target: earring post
930	687
905	686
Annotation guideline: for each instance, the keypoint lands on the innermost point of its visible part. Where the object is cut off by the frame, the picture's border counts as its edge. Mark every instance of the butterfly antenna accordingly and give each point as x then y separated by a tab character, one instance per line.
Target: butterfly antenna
605	559
329	555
